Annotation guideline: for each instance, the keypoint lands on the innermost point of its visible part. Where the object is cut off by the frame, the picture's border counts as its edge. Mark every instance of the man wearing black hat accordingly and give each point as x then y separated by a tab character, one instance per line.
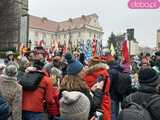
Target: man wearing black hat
149	87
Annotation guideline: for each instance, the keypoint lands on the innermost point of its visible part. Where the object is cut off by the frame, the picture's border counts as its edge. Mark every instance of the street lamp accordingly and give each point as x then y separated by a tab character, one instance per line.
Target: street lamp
30	44
130	36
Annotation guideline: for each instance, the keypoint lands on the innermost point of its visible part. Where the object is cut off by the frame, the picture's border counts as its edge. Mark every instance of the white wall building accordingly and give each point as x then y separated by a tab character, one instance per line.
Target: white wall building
134	48
76	29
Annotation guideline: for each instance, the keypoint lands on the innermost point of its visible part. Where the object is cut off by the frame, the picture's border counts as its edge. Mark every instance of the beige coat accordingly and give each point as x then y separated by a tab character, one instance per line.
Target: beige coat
12	92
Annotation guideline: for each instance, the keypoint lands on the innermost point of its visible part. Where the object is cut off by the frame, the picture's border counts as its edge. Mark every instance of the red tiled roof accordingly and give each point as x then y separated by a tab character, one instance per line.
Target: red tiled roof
43	24
52	26
74	23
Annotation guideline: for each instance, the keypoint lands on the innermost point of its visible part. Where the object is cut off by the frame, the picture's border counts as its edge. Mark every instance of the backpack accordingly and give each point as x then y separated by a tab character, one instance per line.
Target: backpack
134	111
149	109
31	80
5	109
153	106
124	84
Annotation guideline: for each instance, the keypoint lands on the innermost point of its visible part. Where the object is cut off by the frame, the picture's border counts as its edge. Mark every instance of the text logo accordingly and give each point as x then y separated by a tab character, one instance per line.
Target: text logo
144	4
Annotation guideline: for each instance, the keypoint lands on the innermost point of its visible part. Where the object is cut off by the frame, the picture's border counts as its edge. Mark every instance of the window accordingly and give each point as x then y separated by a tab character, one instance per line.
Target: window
65	36
59	36
53	36
44	36
79	34
98	35
90	34
36	34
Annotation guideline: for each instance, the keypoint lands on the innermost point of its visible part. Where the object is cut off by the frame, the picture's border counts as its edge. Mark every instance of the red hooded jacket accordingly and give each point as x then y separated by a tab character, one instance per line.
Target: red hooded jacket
91	76
33	101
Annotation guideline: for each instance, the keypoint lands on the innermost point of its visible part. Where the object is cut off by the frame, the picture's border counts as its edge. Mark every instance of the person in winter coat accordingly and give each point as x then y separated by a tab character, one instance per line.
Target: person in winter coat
74	82
149	85
82	58
96	69
114	69
33	100
12	91
74	105
53	110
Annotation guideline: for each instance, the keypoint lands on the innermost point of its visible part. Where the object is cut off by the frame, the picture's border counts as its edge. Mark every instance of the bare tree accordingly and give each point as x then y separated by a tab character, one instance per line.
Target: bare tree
9	23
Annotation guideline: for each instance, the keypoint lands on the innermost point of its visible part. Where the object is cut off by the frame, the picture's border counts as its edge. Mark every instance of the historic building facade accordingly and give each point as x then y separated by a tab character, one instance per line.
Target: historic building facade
66	32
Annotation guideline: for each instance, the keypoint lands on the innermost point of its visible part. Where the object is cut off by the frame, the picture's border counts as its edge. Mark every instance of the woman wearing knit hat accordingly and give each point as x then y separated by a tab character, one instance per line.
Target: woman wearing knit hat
74	106
11	90
73	80
76	83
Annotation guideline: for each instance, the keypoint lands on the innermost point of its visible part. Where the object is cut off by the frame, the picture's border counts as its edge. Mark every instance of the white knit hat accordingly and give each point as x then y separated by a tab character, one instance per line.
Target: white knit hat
74	106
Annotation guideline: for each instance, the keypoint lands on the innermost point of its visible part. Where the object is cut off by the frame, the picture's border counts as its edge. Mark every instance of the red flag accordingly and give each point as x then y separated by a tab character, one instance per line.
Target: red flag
94	45
125	51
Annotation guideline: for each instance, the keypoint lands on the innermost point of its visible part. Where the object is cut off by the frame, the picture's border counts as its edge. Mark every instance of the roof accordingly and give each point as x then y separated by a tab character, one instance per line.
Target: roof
52	26
75	23
43	24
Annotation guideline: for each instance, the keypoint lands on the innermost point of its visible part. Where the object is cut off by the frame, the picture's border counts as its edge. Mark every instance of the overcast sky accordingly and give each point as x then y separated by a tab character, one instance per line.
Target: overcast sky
114	16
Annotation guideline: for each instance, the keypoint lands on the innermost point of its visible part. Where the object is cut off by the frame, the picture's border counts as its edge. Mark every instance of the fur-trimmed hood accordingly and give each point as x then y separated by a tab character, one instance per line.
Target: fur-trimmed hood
95	67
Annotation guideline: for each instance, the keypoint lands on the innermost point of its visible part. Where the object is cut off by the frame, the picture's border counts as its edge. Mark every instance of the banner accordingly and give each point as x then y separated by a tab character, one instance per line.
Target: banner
113	52
125	51
94	46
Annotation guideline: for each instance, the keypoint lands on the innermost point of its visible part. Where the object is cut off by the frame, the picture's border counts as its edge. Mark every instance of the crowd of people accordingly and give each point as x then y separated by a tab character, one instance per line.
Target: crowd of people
67	87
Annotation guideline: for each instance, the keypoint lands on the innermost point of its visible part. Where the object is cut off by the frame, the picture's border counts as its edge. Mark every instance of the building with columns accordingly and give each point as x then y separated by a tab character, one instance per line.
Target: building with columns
158	39
72	30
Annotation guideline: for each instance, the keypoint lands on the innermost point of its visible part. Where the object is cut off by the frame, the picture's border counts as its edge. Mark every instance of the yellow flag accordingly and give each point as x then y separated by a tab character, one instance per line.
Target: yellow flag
113	52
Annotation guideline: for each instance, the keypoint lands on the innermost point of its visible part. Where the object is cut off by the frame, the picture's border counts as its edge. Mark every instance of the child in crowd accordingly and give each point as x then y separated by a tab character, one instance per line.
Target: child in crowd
53	110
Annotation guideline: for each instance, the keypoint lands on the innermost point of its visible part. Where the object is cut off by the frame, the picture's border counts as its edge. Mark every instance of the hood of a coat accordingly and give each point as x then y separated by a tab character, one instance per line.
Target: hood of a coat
8	78
95	67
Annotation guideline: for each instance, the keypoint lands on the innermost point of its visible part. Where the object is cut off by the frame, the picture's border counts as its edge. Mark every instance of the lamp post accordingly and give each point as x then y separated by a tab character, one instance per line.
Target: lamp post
28	41
30	44
130	36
